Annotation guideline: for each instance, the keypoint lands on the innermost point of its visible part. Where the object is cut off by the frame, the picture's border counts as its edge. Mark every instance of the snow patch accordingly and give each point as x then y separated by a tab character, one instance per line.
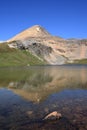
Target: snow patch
38	29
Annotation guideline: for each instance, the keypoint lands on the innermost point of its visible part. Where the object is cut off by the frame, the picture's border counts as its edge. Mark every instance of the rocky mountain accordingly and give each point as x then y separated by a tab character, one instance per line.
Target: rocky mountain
53	50
35	31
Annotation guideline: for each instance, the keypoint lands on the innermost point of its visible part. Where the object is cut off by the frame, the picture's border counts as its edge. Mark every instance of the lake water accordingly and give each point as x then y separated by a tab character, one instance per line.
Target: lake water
27	95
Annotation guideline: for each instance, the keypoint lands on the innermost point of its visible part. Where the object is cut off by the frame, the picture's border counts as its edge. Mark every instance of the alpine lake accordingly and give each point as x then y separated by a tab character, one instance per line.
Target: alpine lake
28	94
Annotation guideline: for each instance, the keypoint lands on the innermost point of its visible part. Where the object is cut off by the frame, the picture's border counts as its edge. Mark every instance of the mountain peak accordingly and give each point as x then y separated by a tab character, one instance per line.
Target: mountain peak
36	27
34	31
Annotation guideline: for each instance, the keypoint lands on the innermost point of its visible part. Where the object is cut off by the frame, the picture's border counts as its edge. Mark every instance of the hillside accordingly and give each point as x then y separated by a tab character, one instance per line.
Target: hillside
16	57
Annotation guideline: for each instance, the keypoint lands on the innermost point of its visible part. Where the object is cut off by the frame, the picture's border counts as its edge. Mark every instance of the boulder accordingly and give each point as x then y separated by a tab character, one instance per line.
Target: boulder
53	115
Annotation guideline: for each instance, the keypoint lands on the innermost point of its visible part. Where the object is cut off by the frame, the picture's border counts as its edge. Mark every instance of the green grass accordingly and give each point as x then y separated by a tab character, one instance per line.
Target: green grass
16	57
82	61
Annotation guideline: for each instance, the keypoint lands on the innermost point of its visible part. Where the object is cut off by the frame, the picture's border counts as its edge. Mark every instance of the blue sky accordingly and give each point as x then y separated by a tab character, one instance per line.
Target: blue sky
65	18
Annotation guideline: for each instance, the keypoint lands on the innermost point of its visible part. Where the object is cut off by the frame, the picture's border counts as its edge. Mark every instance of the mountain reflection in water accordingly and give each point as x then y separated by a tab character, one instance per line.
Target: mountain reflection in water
30	93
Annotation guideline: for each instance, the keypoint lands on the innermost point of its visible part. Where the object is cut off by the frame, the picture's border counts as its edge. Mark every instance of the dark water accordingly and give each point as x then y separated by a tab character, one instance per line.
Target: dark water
27	95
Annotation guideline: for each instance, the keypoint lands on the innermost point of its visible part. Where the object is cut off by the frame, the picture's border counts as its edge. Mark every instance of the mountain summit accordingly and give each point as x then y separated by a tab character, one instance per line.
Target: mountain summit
50	49
34	31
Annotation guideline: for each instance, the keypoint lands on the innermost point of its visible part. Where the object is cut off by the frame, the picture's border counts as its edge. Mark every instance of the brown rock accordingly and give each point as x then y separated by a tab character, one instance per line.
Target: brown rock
53	115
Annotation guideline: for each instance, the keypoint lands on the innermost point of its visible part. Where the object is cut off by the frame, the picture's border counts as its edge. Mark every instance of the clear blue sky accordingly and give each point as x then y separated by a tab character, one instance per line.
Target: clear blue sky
65	18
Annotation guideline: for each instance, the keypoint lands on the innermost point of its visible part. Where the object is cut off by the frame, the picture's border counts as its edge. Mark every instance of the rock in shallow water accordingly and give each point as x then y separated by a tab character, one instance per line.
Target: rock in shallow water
53	115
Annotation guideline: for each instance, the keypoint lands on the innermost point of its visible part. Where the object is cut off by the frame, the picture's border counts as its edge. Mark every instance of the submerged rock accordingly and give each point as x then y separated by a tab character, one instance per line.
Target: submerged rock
53	115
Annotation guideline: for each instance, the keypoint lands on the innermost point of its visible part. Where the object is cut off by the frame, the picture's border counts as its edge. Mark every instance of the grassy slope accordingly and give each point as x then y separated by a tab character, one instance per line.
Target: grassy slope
15	57
82	61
